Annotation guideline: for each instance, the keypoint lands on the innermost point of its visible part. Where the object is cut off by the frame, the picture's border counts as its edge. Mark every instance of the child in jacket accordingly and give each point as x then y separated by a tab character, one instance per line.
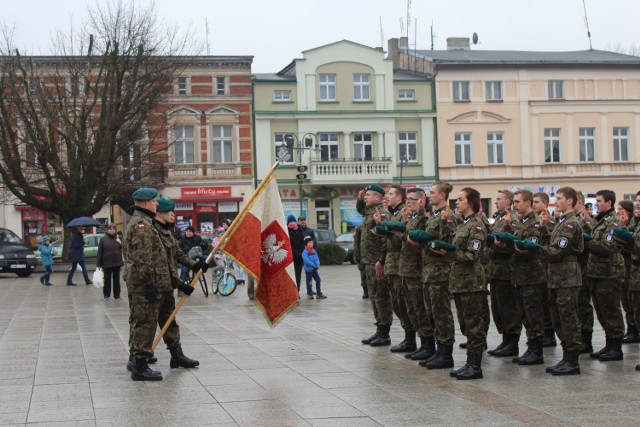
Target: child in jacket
311	263
46	257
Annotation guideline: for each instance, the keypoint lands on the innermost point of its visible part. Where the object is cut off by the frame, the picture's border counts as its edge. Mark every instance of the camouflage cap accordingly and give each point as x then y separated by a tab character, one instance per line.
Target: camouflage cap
143	194
165	205
374	187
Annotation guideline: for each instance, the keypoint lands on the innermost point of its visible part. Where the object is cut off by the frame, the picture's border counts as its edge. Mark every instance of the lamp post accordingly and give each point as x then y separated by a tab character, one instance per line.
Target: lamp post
306	142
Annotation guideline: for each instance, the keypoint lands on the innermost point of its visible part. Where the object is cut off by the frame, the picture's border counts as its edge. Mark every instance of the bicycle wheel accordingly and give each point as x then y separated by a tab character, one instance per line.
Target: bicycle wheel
227	284
203	285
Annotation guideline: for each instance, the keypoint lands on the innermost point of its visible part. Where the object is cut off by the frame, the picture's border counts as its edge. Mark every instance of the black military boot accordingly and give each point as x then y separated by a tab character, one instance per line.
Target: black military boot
511	349
603	350
372	337
179	360
503	344
152	360
615	351
383	338
463	345
424	362
549	339
131	364
571	365
443	359
407	345
586	346
471	370
535	356
526	354
142	372
631	336
427	349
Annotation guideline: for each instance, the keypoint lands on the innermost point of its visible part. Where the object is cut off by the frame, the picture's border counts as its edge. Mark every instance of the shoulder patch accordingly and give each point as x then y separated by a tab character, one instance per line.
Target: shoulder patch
536	226
570	227
141	225
534	239
476	245
608	238
563	242
478	228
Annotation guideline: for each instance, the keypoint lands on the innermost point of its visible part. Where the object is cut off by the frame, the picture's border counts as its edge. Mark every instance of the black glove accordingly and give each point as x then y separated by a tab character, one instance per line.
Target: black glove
185	289
150	292
200	265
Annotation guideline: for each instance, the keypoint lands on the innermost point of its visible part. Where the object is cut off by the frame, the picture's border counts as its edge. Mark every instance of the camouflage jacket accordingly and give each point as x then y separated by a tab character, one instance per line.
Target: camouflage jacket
587	227
175	254
500	258
436	267
565	244
634	278
528	269
605	259
394	244
145	259
372	246
411	259
467	274
357	233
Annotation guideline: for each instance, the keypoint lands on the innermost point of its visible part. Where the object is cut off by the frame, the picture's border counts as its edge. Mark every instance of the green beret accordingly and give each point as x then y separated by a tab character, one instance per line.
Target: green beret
165	205
526	245
491	237
382	230
374	187
420	235
439	244
394	225
143	194
624	235
586	237
505	237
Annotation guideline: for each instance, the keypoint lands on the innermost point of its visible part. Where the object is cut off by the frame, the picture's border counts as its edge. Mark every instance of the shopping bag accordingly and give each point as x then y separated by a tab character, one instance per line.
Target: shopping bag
98	278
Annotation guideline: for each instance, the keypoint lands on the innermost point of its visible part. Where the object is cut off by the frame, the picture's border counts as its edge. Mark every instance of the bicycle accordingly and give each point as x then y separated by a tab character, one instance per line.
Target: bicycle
223	276
196	253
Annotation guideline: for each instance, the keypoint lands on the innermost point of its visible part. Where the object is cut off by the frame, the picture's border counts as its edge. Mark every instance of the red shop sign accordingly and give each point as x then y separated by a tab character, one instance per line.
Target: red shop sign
206	191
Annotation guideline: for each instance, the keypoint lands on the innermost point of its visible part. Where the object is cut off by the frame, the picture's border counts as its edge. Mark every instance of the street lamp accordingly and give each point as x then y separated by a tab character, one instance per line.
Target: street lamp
306	142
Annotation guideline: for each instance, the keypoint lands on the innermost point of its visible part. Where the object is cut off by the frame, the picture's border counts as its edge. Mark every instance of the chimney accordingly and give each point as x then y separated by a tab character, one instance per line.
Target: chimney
458	43
403	43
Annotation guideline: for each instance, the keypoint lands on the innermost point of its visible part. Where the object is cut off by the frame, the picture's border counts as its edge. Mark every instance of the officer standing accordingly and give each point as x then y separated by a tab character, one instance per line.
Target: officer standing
540	204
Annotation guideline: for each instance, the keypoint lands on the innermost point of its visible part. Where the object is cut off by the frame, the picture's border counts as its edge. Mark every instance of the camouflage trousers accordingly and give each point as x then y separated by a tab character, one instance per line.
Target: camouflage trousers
420	317
470	317
380	296
363	278
564	314
532	298
606	302
399	301
634	304
436	297
505	307
624	298
545	307
145	317
585	309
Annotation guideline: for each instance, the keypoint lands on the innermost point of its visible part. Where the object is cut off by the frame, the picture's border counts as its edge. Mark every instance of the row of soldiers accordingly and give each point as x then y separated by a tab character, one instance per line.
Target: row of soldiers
545	272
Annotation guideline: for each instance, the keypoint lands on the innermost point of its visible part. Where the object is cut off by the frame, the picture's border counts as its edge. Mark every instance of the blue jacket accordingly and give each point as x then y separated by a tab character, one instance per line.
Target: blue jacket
76	253
311	261
46	255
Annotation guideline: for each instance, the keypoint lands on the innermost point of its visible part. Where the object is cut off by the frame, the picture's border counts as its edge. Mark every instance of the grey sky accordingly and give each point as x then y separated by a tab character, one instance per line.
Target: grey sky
277	31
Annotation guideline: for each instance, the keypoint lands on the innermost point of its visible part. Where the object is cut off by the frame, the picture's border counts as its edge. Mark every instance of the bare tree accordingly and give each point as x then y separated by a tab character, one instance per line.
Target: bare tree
85	125
633	49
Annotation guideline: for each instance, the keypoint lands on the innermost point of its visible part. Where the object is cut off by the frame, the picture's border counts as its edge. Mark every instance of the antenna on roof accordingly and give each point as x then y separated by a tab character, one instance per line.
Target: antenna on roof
433	36
206	26
586	23
381	33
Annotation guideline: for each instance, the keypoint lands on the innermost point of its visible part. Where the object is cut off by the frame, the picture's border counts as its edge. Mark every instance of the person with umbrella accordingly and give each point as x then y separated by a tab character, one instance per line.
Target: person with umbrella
76	255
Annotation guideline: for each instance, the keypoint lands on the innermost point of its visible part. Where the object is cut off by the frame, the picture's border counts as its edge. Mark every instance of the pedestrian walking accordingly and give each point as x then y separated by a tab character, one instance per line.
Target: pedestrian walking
109	258
311	266
46	258
76	255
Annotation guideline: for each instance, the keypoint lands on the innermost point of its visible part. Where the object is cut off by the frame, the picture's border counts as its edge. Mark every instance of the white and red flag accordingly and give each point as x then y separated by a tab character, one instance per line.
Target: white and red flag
259	242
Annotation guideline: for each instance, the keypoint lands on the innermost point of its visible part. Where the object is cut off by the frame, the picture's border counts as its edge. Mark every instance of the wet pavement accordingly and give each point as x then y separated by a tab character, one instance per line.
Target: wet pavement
63	352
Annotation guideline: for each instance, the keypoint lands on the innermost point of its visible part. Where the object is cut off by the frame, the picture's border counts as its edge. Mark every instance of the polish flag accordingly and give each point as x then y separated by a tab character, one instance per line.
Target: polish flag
259	242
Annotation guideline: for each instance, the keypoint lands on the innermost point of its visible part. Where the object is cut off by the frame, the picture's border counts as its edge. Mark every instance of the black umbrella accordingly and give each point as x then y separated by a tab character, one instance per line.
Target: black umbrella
83	221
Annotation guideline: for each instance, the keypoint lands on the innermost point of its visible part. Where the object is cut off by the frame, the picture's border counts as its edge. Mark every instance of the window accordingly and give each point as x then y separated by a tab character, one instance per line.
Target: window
282	95
587	144
34	83
284	151
182	85
461	91
329	146
406	95
463	148
220	86
222	144
493	91
620	144
183	144
408	146
361	87
75	86
363	146
131	162
495	147
552	145
556	89
327	87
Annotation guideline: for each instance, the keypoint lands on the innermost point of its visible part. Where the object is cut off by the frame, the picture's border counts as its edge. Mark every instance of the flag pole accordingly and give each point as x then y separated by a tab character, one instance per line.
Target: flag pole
229	232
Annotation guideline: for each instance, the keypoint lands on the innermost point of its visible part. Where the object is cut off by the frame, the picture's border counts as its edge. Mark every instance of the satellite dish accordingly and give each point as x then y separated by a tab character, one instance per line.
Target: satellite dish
475	38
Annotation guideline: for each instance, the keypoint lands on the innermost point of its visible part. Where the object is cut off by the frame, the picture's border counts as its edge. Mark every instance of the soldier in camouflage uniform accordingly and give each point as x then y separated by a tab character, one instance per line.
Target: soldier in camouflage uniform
467	280
605	274
529	278
564	279
625	208
357	233
504	295
410	270
435	276
540	204
372	252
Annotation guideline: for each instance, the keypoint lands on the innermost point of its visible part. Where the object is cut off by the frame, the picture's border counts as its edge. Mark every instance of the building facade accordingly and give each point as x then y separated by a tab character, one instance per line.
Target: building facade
338	119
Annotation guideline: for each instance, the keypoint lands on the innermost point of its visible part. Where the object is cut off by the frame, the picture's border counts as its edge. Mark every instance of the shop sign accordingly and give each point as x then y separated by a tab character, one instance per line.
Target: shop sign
33	215
206	191
184	206
206	209
227	206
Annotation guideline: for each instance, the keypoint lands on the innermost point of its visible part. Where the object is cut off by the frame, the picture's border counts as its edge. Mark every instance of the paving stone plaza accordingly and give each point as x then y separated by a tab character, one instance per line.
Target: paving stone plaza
63	352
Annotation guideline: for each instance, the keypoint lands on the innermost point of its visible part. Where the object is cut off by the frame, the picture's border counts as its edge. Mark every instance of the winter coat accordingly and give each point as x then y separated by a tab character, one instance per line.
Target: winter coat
76	254
311	260
109	252
46	254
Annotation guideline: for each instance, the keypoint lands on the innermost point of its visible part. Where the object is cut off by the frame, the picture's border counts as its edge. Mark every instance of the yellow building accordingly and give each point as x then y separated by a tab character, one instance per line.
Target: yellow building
540	120
344	114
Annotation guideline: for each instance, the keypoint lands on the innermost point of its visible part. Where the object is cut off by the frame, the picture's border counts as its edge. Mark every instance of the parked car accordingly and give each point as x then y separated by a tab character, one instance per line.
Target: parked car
15	256
325	236
90	247
345	240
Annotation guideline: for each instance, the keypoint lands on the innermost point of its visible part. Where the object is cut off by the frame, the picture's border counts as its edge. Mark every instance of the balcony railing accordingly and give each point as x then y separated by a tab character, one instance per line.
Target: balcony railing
205	170
350	170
